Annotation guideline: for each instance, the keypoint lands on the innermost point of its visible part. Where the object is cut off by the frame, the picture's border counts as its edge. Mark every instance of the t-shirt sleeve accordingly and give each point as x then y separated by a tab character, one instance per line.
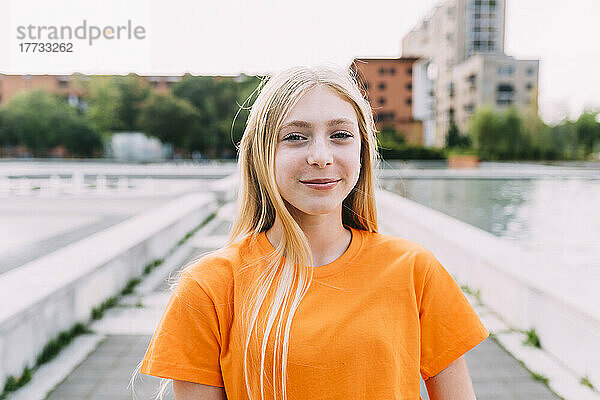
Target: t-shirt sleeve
186	344
450	327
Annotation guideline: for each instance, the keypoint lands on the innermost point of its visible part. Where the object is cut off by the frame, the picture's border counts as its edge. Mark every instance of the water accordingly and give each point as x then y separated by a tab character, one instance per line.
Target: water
559	217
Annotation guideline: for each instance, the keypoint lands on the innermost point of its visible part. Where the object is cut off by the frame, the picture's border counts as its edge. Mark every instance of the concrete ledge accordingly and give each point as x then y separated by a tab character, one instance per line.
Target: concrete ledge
526	289
50	294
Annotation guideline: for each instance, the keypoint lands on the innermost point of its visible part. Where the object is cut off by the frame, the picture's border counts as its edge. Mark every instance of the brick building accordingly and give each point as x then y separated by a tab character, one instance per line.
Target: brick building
66	85
389	88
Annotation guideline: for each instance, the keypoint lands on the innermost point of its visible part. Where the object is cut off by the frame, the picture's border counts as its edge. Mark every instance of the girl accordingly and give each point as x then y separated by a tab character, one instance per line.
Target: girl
306	300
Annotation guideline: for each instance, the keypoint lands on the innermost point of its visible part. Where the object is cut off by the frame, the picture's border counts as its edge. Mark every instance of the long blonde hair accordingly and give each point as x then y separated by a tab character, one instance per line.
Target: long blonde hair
289	273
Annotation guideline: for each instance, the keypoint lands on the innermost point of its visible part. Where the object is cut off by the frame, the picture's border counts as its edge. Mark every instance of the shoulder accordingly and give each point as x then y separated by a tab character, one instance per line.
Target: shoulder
213	271
382	246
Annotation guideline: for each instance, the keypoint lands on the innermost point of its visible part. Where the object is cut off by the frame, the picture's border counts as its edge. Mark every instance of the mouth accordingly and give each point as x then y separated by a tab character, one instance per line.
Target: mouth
319	184
321	181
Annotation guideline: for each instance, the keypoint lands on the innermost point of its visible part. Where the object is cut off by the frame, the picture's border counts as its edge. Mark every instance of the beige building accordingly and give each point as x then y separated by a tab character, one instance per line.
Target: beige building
493	80
451	35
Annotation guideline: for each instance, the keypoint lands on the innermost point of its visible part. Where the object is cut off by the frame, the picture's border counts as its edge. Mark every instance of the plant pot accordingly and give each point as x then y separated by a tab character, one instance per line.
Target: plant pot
463	161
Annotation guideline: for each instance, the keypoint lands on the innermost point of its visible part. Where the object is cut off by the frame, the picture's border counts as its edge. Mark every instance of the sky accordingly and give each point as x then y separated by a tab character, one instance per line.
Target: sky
264	36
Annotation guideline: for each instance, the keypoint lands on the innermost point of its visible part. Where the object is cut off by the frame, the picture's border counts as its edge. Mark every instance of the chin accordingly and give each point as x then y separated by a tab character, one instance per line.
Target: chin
318	209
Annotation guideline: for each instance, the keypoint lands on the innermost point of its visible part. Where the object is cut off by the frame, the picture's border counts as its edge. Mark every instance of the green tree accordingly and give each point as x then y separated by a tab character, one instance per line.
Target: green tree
41	121
171	120
562	140
515	142
588	131
485	130
219	102
133	91
103	99
388	138
454	139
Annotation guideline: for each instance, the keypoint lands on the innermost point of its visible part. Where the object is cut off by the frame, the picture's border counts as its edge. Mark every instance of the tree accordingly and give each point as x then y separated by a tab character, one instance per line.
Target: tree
171	120
218	101
588	131
485	131
42	121
455	139
133	91
103	98
515	142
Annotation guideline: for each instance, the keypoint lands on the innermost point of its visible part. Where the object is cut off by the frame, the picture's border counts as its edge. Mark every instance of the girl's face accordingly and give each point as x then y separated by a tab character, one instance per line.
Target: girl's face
319	139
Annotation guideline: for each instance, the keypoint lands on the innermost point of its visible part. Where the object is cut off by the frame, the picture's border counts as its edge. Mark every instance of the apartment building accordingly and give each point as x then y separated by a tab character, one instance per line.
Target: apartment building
388	85
497	81
462	42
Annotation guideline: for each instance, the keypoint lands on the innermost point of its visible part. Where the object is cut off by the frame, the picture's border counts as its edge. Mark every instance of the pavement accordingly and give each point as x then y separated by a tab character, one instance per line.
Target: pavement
103	369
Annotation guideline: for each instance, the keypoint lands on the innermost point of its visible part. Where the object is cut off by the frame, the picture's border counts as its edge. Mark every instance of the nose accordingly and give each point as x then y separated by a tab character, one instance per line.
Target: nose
319	154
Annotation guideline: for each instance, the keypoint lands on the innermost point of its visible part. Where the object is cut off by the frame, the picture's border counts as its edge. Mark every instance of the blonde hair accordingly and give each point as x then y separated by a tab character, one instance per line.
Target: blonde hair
289	272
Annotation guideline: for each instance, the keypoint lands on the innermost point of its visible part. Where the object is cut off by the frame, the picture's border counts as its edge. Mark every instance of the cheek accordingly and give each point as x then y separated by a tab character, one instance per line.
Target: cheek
284	167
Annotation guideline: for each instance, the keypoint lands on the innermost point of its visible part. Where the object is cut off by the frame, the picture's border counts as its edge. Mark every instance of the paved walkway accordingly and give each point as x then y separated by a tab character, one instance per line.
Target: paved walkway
105	373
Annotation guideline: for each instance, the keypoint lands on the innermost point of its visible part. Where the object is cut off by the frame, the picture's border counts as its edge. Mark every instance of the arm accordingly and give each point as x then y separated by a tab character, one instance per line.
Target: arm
453	383
195	391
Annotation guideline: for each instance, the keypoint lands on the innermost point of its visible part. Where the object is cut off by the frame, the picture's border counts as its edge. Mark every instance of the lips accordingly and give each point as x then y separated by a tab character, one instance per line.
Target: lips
321	180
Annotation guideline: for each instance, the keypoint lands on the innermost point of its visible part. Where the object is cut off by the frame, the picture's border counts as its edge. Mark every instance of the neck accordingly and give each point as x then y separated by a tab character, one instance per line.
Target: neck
327	237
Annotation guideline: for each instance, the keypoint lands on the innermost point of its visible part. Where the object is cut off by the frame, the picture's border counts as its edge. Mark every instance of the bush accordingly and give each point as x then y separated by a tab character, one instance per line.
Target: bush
42	121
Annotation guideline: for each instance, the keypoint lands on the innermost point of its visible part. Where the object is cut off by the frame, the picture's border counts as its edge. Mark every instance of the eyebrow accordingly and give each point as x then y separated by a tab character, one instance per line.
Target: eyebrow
305	124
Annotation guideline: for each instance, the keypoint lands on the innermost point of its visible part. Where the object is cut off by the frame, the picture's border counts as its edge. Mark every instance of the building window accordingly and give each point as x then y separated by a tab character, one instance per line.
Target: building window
382	85
392	70
409	71
408	101
505	70
409	86
528	86
472	81
381	71
529	71
469	108
450	88
492	3
504	94
381	100
385	116
366	85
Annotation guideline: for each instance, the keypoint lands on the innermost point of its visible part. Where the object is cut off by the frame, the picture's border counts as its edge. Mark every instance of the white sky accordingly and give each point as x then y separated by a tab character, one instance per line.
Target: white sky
261	36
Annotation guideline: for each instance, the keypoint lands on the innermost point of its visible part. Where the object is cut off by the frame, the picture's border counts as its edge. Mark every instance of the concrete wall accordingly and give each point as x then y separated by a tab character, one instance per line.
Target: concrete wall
50	294
527	290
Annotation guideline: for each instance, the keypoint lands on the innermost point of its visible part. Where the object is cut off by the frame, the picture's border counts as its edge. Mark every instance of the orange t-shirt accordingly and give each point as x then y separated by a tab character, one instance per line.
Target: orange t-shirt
382	313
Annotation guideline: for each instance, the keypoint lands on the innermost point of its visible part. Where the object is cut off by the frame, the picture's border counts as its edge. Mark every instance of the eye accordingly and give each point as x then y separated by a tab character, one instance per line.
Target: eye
344	133
292	135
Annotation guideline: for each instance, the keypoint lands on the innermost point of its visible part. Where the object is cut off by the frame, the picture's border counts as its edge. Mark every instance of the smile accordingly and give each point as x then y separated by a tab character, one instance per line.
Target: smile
321	186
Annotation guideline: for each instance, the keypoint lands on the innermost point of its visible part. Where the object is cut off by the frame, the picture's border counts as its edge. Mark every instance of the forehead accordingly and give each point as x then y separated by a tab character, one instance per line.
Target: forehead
319	105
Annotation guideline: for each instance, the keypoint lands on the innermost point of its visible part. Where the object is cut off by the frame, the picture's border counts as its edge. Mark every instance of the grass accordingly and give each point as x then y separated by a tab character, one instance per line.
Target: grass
586	382
474	293
50	350
532	339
